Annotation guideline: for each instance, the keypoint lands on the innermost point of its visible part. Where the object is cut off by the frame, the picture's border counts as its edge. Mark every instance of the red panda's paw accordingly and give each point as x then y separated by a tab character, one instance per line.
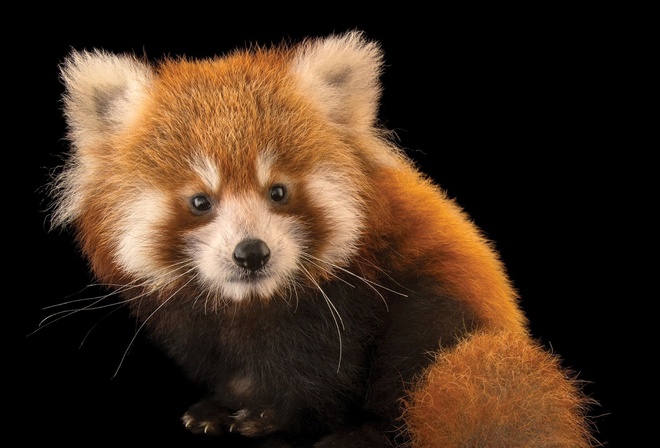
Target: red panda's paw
208	417
253	424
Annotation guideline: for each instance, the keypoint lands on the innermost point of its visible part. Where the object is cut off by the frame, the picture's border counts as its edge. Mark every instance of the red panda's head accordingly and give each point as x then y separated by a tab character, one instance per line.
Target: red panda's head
240	176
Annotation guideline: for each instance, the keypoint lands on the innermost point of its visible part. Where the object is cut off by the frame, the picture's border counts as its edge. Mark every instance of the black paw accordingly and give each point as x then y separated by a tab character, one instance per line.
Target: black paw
207	417
251	424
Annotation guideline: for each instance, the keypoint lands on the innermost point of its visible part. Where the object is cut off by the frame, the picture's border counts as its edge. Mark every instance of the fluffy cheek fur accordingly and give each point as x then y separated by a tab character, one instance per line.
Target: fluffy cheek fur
341	215
137	254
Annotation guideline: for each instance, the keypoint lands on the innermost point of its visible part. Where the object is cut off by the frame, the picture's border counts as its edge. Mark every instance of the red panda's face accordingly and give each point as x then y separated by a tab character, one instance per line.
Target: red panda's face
230	187
250	229
236	177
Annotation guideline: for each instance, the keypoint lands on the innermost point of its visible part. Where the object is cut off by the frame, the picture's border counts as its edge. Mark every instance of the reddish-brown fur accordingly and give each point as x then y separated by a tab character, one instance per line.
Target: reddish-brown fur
497	387
484	286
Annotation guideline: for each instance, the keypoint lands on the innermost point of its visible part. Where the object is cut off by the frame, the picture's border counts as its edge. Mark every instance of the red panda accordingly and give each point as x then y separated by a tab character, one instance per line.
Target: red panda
276	243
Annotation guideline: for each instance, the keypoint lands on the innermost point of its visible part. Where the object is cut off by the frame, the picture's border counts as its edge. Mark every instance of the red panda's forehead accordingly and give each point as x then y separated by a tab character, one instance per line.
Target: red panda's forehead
231	115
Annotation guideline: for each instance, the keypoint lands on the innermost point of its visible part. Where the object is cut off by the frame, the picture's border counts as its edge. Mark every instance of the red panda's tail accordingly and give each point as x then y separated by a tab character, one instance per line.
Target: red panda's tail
498	390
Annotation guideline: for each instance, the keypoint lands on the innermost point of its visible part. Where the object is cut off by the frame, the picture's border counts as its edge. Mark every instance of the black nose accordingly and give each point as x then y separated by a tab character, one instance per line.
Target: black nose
251	254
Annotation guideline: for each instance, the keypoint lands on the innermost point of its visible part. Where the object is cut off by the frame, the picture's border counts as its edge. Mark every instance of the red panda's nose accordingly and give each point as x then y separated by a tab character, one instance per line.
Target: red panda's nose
251	254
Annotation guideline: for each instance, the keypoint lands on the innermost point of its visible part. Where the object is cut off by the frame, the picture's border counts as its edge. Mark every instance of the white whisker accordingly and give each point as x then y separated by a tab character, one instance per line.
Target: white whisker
333	312
94	326
174	273
130	344
373	285
295	292
59	315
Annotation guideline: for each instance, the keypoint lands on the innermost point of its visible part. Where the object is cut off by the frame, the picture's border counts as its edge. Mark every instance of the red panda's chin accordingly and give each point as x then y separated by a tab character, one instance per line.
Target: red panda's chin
255	286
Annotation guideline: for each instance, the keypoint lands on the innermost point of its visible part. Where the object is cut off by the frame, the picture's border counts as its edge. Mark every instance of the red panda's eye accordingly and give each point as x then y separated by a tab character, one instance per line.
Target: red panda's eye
278	193
200	204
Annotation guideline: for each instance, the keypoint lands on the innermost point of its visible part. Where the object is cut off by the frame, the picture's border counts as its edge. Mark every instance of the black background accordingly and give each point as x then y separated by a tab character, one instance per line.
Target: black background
518	114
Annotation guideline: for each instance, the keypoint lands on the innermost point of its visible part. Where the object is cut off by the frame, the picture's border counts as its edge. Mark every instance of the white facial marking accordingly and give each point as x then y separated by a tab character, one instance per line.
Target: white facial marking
264	166
136	229
237	219
207	171
343	213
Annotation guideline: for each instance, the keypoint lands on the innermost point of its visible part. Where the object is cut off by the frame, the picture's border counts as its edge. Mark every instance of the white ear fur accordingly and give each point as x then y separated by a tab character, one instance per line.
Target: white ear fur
341	74
103	94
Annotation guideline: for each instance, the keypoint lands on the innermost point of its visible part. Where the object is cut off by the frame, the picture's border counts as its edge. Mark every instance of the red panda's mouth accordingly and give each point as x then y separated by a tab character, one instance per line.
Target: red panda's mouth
253	284
248	276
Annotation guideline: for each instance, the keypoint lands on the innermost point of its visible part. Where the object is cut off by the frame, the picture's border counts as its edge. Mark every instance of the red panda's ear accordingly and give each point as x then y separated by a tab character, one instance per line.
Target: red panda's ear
103	94
341	74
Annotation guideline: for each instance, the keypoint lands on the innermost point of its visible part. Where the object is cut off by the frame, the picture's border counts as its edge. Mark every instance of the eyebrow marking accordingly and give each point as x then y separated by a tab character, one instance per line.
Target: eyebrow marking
265	162
207	171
